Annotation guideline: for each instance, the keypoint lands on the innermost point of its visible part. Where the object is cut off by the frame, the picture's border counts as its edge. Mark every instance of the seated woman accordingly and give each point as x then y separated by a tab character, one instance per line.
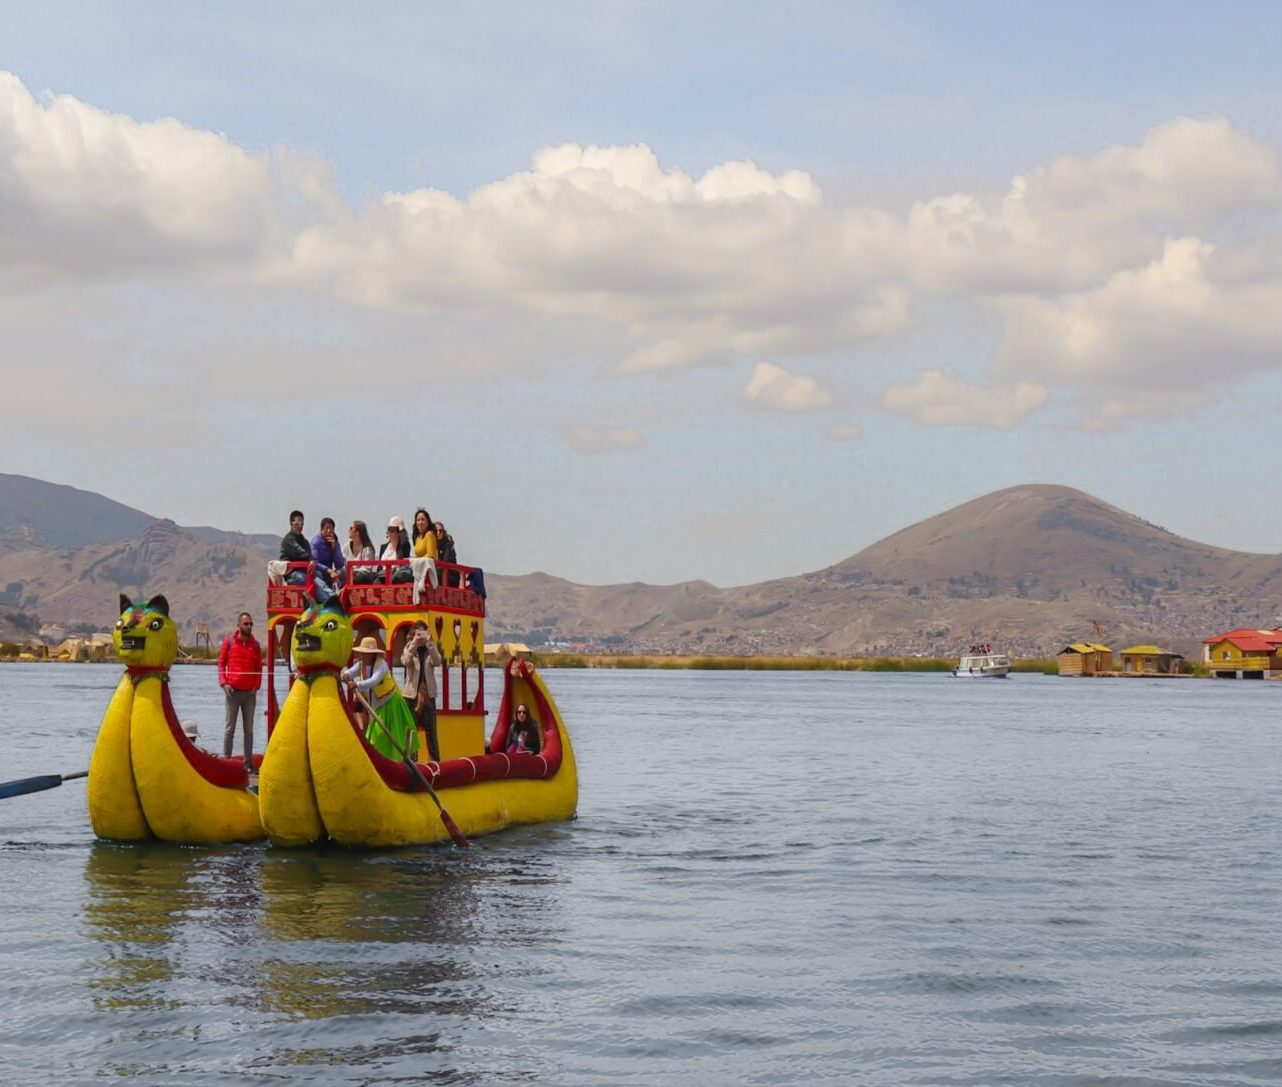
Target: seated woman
397	547
523	736
387	720
446	551
424	535
360	548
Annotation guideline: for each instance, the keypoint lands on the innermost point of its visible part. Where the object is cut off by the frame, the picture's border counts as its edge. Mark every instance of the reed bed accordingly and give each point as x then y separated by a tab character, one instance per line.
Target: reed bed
770	664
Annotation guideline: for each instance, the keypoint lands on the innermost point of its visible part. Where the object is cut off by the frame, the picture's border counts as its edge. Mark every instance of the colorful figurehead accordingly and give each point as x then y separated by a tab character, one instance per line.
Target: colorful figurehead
322	638
145	637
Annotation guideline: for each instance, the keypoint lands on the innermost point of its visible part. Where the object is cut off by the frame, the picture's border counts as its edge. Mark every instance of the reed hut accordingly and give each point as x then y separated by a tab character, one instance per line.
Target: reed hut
498	652
1084	659
1150	660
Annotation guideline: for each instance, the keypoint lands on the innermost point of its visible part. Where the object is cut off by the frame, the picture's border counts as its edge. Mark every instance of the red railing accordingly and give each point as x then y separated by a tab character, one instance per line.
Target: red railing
386	588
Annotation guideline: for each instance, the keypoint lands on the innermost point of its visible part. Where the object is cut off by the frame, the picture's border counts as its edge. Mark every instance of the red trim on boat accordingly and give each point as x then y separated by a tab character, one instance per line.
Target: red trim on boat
453	773
227	773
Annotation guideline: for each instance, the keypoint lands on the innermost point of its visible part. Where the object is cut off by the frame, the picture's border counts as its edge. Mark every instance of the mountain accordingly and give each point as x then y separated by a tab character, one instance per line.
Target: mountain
1030	568
36	513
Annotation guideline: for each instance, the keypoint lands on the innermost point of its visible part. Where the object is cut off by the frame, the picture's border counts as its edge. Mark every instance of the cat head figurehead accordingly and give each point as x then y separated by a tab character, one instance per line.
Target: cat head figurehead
322	637
145	637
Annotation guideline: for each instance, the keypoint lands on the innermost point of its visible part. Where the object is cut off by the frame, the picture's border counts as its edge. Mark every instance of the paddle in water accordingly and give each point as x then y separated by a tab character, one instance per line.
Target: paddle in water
460	839
36	784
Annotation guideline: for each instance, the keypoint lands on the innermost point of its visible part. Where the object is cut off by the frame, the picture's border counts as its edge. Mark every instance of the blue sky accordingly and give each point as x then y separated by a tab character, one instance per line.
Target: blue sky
644	291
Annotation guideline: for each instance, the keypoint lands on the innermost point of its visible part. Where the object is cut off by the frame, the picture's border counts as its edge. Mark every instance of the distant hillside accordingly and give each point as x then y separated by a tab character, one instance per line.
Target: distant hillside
1030	568
40	514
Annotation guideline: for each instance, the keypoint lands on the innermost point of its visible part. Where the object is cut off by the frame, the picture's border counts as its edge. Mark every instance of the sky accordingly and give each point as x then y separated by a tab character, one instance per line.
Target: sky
644	291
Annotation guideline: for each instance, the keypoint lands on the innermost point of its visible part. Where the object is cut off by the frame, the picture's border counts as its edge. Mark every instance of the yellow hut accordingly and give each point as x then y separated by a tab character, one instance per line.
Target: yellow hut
500	652
1084	659
1150	660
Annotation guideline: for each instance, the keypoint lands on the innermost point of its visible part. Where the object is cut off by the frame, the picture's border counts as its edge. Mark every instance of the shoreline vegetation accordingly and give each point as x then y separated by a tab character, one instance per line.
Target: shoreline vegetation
772	664
708	663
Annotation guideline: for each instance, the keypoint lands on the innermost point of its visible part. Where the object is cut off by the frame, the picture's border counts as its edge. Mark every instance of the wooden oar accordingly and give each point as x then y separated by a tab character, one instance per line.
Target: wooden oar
460	839
37	784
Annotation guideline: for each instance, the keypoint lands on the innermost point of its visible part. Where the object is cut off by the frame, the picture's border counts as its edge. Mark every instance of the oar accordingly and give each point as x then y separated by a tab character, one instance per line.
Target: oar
36	784
460	839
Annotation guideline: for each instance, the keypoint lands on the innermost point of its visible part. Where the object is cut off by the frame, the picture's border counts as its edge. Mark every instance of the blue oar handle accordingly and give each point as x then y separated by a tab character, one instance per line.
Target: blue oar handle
37	784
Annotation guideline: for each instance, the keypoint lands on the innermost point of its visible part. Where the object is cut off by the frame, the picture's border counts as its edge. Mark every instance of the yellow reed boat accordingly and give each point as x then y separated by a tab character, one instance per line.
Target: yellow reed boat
322	780
147	780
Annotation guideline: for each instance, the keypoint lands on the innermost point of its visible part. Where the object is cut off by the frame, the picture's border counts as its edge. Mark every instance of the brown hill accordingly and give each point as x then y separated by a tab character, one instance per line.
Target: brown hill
40	514
1030	567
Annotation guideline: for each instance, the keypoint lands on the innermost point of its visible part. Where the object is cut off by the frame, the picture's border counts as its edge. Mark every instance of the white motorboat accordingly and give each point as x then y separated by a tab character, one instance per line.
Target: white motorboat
981	662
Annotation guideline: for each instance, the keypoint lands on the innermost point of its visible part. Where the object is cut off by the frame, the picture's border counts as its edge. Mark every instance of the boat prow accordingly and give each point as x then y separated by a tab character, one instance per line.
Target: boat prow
146	778
286	796
187	794
114	808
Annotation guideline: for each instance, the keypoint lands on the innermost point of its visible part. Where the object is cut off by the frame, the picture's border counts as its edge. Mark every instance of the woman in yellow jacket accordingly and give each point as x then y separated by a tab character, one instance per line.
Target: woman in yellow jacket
390	729
424	535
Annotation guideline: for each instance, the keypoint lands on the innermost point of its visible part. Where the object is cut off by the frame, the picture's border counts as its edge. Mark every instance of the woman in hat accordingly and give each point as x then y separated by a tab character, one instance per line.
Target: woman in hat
390	728
397	547
398	544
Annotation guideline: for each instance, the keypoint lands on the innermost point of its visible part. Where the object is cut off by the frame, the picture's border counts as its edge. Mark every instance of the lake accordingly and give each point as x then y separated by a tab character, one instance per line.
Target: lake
774	878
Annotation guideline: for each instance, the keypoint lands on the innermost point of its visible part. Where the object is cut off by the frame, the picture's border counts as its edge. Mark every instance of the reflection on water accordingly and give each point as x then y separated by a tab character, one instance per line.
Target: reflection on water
316	940
353	934
147	904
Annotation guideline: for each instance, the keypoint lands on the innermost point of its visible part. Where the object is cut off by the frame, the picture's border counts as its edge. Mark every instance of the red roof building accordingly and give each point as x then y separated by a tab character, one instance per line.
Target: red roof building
1244	653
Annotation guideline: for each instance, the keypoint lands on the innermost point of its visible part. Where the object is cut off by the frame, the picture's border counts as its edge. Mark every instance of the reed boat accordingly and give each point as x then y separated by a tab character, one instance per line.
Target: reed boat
322	780
147	780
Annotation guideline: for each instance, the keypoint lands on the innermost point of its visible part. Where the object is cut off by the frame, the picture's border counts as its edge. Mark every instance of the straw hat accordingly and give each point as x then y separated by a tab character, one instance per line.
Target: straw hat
189	728
396	522
368	645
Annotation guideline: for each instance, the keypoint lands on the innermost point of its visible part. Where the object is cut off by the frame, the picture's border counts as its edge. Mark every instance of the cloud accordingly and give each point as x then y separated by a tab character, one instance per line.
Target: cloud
1079	219
1157	404
937	399
1111	275
604	439
1171	324
845	432
86	193
773	388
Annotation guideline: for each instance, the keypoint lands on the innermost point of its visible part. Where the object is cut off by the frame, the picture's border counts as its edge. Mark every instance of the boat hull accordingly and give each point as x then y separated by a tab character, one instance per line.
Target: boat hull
115	810
286	796
983	666
358	807
179	801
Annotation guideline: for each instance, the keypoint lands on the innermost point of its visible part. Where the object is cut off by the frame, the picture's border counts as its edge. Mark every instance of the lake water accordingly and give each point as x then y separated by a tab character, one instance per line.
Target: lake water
775	878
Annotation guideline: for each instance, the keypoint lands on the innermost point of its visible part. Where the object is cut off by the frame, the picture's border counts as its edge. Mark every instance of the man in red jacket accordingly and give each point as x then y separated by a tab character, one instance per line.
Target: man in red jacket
240	674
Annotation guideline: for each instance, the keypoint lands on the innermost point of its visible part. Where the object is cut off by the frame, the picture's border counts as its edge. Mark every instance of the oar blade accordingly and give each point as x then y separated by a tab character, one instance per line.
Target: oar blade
460	839
29	785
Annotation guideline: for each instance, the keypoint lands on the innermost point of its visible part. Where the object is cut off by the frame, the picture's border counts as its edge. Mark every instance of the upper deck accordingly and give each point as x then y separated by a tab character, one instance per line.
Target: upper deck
385	600
378	585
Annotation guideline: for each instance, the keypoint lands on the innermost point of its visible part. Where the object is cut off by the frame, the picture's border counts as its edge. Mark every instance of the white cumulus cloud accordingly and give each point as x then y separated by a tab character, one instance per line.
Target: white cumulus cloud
1107	276
772	387
84	192
939	399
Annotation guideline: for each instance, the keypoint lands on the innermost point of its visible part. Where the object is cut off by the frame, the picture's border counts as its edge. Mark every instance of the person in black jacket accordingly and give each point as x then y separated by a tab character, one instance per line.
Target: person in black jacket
445	551
295	548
